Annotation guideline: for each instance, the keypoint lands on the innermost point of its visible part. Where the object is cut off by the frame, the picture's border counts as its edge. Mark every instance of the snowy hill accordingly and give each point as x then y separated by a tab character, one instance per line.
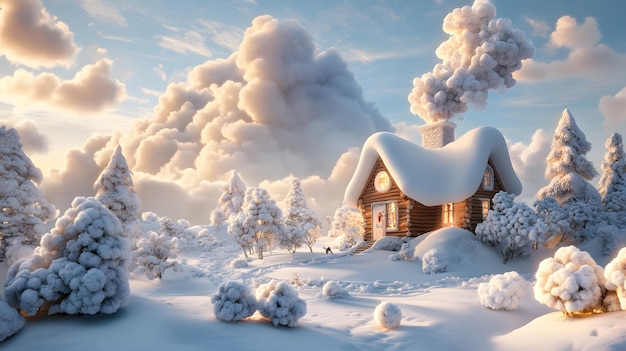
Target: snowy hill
440	311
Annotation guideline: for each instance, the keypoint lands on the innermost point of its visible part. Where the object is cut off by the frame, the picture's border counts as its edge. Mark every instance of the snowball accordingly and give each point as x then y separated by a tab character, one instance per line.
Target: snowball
10	321
388	315
279	302
333	290
434	261
503	292
233	301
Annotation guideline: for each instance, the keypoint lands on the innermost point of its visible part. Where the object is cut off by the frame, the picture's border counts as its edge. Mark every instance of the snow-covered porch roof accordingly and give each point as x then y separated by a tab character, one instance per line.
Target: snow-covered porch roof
434	177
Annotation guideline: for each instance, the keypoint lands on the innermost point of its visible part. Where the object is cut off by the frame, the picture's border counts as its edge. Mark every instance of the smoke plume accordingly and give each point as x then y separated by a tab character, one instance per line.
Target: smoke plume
480	55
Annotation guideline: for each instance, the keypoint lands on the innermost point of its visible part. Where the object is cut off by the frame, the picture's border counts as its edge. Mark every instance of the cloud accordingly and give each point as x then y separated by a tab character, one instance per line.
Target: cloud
278	107
103	11
184	42
29	35
529	162
614	109
91	90
587	57
540	28
32	139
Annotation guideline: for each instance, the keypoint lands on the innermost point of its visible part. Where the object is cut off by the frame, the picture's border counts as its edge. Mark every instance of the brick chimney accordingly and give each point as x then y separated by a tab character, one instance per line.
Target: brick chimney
437	135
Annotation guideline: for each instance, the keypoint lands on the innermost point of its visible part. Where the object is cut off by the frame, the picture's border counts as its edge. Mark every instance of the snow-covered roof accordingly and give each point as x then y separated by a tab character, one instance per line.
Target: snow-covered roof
435	177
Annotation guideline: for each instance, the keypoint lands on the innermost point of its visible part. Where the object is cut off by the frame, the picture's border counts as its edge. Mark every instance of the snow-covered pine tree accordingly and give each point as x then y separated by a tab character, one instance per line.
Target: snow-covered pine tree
259	223
347	227
231	200
507	226
612	183
569	172
80	267
23	208
115	190
302	226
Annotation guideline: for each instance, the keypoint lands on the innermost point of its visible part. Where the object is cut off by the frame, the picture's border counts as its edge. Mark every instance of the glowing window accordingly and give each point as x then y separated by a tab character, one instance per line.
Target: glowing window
485	207
392	216
448	213
382	183
488	178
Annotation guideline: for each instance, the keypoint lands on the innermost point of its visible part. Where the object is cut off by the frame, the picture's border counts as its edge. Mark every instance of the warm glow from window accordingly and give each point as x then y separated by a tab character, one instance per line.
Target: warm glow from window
448	213
485	206
382	182
488	178
392	216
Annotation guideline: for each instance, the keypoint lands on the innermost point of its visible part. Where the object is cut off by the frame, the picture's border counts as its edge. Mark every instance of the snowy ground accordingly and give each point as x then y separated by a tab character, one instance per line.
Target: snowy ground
440	311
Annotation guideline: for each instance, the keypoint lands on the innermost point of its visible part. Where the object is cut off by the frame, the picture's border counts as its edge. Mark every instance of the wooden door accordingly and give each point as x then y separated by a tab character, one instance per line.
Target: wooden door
379	220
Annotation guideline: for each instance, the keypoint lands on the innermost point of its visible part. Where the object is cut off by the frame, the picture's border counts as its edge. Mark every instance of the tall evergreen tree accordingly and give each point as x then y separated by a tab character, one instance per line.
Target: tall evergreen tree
23	208
302	226
229	204
612	184
568	170
116	191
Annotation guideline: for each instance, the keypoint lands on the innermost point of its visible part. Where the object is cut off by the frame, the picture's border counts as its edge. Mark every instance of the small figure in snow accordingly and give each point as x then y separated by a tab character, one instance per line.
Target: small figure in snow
328	250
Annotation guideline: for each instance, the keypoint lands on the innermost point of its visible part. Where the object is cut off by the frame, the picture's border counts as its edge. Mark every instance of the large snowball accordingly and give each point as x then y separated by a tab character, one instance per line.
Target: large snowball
388	315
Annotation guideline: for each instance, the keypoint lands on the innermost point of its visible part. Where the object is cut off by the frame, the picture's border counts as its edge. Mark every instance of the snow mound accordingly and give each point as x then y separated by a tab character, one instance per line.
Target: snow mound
333	290
388	315
11	321
388	243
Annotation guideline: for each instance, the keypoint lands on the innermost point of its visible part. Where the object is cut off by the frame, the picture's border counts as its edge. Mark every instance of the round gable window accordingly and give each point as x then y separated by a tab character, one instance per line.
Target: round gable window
382	183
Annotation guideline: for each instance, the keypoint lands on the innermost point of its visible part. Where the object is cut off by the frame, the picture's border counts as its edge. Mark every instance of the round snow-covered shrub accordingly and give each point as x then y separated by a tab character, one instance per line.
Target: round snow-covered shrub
434	261
615	274
279	302
10	321
570	282
332	290
388	315
233	301
239	263
388	243
503	292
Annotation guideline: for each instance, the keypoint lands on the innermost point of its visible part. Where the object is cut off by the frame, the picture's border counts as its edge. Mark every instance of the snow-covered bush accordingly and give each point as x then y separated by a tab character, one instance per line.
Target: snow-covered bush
80	267
333	290
302	226
206	240
615	274
609	237
503	292
153	255
23	208
239	263
507	226
434	261
570	282
388	315
347	227
11	321
233	301
258	223
278	301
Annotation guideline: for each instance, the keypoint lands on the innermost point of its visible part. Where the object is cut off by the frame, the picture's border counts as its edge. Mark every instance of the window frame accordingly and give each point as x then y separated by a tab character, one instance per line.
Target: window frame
488	174
447	212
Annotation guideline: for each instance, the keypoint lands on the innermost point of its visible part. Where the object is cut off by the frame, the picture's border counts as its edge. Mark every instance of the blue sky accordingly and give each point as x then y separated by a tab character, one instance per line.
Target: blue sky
140	48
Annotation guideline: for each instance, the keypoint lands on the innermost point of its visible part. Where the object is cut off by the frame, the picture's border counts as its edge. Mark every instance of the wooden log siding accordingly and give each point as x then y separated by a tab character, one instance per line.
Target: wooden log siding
370	196
415	218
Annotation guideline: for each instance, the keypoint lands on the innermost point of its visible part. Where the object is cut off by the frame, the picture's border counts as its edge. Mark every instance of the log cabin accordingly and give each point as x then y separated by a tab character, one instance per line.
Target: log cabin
403	189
